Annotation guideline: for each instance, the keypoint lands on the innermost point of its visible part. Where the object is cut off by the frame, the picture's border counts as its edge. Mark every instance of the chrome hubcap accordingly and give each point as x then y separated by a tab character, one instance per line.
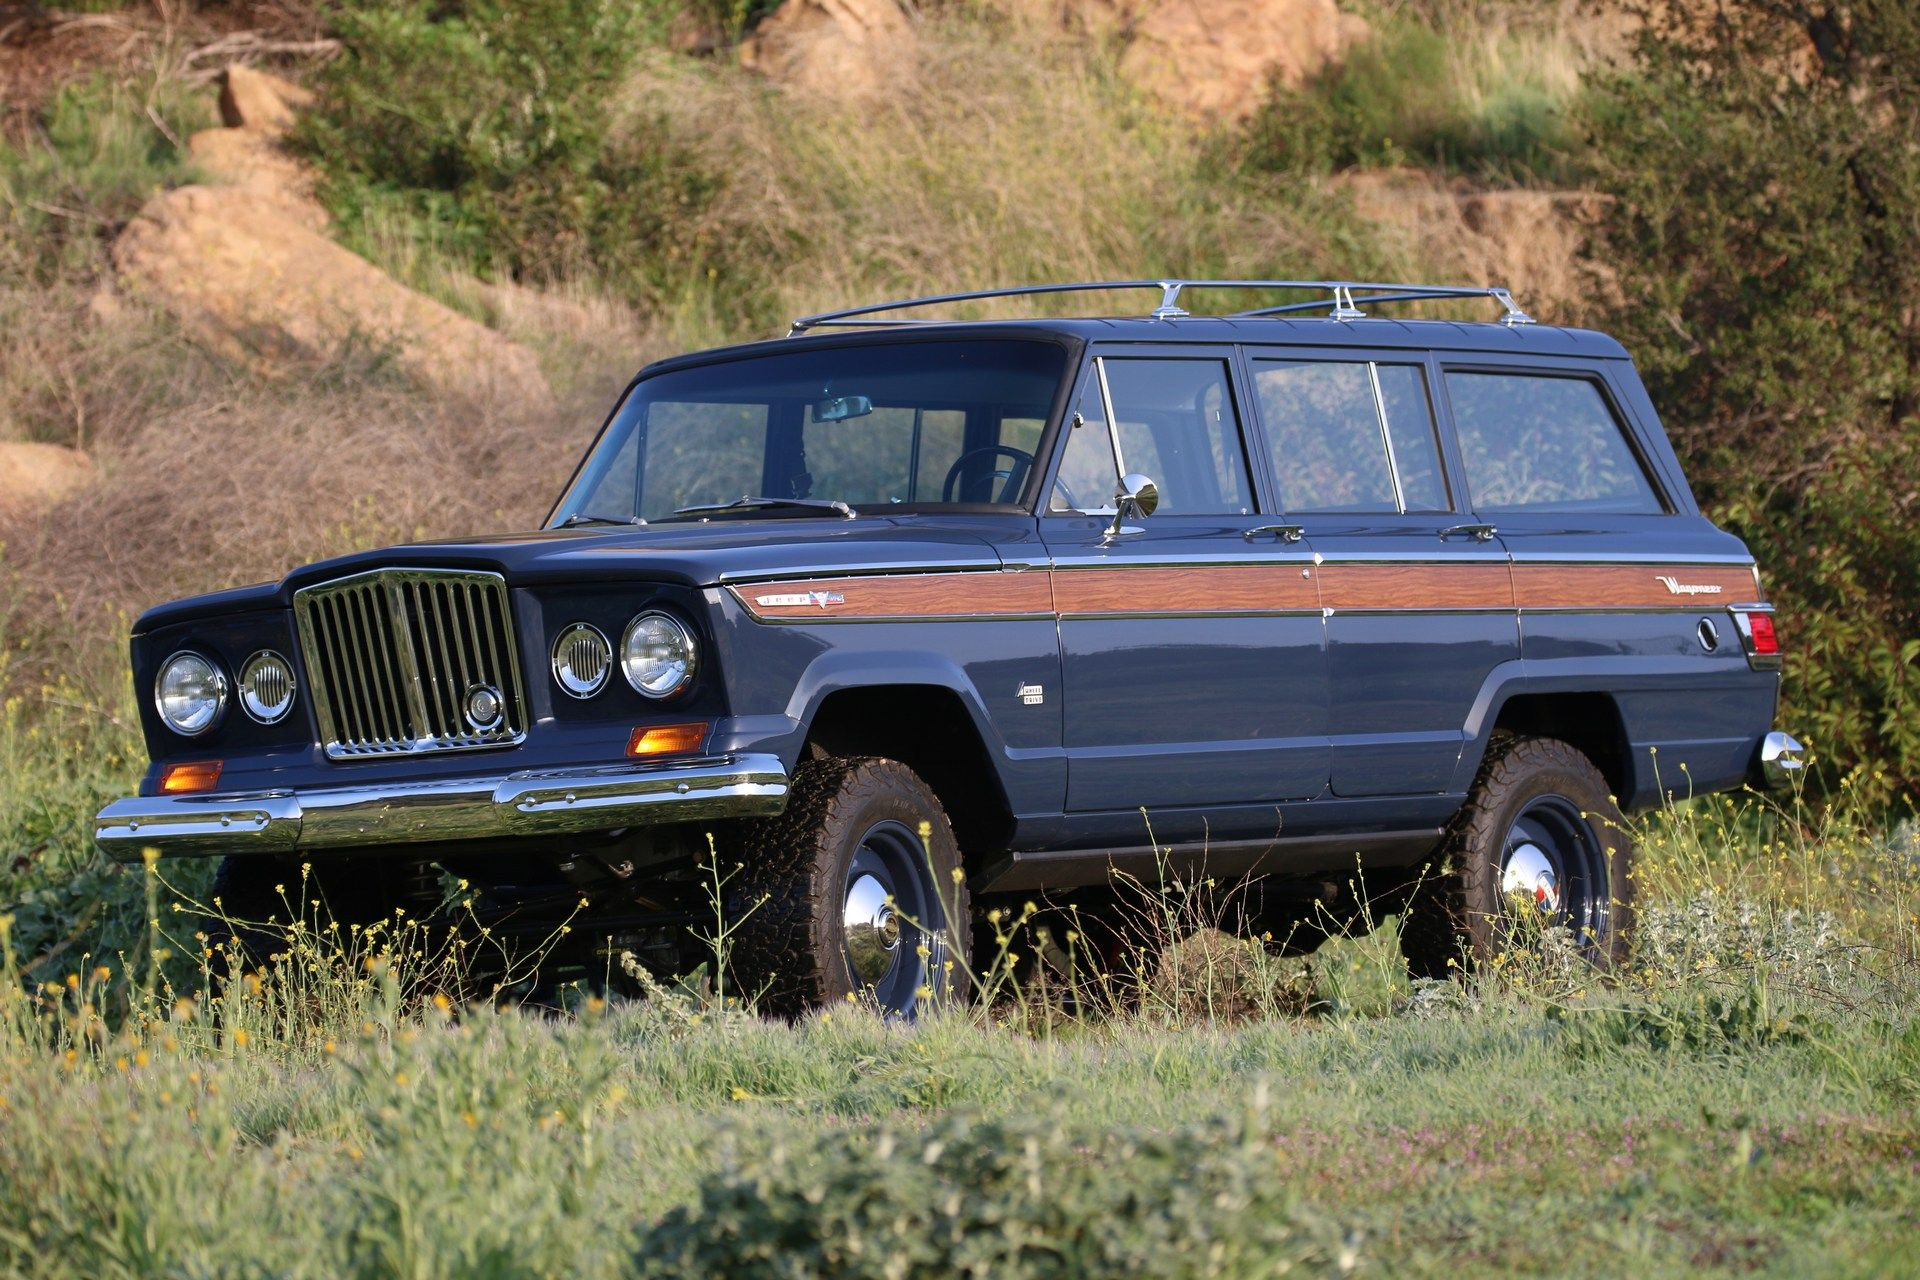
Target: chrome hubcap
873	929
893	925
1554	871
1529	878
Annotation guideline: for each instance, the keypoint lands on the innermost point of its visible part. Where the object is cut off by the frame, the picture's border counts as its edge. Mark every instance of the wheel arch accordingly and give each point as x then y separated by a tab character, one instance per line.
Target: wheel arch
937	731
1587	719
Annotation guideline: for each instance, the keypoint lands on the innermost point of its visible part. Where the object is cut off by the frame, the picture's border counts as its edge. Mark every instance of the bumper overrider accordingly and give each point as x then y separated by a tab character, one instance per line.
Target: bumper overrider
516	805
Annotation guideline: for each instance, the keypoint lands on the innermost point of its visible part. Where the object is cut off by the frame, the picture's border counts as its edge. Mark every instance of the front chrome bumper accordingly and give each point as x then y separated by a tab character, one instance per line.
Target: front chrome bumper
528	804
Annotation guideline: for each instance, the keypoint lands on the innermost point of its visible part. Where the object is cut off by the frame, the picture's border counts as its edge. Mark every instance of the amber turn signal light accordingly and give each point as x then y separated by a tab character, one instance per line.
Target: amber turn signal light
199	775
667	739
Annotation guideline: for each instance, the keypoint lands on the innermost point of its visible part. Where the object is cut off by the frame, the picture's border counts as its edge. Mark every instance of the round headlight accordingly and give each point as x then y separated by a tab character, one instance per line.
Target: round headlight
658	655
190	694
266	687
582	660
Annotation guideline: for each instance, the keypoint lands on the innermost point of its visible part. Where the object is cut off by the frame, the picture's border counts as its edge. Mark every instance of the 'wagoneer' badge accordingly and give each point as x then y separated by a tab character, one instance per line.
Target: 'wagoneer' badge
1679	588
822	599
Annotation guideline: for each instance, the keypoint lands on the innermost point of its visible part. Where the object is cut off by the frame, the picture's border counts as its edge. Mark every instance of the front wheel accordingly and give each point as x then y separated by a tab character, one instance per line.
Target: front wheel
850	892
1540	845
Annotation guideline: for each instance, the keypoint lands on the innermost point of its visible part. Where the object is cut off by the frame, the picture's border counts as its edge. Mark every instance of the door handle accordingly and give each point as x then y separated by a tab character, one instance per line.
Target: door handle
1480	532
1284	532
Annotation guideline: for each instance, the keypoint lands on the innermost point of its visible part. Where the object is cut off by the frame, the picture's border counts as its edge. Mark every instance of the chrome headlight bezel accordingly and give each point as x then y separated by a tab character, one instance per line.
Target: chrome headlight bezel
218	689
565	670
250	698
654	627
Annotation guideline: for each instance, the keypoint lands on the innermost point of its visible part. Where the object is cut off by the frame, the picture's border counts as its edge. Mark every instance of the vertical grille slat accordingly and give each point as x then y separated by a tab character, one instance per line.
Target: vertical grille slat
393	656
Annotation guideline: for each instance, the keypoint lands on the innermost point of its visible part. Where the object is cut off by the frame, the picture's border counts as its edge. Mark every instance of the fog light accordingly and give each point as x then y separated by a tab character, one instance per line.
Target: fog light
198	775
667	739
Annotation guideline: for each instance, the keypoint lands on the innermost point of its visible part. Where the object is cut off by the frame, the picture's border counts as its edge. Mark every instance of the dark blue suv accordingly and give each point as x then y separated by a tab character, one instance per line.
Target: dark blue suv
905	618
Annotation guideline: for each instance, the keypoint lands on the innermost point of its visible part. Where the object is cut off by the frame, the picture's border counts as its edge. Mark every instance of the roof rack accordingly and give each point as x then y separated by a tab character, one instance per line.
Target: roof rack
1344	300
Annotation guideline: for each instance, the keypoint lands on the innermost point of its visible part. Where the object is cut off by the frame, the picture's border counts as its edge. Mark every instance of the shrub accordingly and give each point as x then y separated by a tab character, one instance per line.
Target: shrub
487	124
1011	1198
1766	163
1458	87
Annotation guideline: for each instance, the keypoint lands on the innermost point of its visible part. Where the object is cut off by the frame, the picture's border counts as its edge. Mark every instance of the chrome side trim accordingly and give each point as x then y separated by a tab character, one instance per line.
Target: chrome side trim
525	804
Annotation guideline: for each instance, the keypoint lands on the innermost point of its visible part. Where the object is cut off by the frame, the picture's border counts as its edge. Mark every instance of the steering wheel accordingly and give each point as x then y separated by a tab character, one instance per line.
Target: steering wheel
1014	476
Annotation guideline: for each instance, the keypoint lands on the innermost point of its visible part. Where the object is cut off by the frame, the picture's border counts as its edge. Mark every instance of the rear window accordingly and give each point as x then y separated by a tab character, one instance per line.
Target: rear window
1535	442
1350	436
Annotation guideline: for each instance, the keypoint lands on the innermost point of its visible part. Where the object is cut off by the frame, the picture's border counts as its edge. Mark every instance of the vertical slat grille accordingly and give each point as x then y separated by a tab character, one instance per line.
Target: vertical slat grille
395	656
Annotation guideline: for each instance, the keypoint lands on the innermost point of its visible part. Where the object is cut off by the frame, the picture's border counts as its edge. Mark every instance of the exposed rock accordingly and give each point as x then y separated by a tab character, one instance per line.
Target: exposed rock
1529	241
257	285
251	99
36	475
840	50
255	162
1214	59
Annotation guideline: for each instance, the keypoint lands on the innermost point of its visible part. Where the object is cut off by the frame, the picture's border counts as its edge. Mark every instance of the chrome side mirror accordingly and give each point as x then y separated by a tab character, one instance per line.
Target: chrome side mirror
1138	496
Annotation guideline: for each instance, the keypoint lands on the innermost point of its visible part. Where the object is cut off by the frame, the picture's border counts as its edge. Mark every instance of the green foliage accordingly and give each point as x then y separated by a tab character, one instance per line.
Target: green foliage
991	1197
1766	169
82	168
1413	95
1697	1021
487	126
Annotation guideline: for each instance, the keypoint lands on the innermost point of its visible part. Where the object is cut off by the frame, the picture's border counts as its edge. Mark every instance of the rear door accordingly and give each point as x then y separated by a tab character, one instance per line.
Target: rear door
1418	595
1192	644
1619	580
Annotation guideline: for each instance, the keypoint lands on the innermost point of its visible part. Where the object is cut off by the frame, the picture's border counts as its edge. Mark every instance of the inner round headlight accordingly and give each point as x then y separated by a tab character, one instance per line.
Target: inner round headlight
266	687
582	660
658	654
190	694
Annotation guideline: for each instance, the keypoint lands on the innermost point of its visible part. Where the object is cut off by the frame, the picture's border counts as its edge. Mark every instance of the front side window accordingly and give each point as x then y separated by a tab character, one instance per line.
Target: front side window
1535	442
1350	436
882	426
1173	421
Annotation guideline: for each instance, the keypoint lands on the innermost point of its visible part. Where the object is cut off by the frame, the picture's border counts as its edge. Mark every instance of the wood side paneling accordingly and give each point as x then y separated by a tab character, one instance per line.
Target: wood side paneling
1255	588
907	595
1484	584
1638	586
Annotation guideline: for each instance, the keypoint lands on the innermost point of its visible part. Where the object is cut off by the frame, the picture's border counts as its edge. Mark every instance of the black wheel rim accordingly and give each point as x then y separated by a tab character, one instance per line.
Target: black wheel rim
1553	872
891	914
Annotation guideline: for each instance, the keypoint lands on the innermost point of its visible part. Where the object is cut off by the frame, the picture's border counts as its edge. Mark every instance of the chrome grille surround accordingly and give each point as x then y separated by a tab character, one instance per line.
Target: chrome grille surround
393	654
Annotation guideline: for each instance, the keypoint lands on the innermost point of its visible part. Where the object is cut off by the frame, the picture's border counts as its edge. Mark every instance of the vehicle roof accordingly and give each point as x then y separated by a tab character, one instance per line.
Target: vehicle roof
1370	332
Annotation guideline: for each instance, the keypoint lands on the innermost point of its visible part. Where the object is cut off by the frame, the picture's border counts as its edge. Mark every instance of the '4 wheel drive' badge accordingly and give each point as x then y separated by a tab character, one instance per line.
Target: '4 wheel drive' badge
1676	587
820	599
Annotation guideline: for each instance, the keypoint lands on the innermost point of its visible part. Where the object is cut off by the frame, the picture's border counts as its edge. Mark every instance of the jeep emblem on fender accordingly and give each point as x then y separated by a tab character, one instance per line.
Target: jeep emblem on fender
1679	588
824	599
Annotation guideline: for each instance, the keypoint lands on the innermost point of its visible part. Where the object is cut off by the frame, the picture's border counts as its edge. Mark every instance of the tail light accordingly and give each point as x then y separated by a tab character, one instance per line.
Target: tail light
1757	635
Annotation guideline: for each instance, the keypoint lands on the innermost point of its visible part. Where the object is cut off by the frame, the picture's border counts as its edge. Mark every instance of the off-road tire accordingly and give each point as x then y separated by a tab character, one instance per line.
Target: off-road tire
787	902
1452	920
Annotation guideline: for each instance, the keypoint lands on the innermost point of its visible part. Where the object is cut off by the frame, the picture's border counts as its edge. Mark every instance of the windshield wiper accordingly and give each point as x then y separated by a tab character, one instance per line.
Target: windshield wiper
580	517
763	504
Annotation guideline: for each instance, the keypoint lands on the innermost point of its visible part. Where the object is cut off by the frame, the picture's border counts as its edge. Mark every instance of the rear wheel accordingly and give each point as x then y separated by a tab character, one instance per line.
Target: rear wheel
1540	845
851	891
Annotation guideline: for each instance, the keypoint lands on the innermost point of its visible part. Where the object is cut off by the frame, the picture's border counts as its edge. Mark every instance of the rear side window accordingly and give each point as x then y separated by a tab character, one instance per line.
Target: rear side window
1534	442
1350	436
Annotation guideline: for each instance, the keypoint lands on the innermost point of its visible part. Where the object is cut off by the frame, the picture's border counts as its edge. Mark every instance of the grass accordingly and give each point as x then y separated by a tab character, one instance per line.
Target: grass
1742	1099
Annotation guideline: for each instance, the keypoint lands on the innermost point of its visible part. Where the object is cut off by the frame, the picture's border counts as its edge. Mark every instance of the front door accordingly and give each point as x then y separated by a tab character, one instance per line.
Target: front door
1192	644
1418	597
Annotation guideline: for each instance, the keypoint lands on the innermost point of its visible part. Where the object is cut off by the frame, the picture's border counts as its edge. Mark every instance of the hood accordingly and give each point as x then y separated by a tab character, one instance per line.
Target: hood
691	554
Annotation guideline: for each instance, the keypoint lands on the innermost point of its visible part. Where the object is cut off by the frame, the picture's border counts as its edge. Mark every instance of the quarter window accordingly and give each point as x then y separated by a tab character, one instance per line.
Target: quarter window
1535	442
1351	436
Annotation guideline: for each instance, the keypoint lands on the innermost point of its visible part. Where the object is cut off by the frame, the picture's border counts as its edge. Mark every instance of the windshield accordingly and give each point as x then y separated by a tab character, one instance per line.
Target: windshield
886	425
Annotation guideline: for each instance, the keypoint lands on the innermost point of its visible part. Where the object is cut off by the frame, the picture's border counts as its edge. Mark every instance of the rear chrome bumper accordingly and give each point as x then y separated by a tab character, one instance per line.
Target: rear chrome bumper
1780	761
554	802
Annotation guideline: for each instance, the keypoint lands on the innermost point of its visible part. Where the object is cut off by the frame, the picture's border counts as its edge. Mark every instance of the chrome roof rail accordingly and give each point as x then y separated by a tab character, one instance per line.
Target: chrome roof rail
1346	297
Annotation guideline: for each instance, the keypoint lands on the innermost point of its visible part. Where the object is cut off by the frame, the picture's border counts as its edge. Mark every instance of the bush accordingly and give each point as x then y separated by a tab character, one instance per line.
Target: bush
487	126
1459	89
1003	1198
1767	168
